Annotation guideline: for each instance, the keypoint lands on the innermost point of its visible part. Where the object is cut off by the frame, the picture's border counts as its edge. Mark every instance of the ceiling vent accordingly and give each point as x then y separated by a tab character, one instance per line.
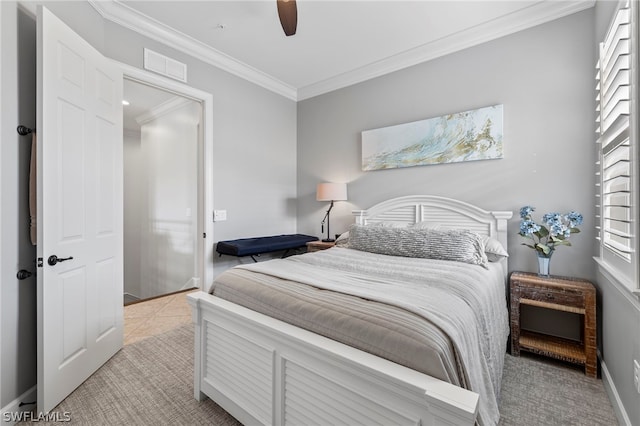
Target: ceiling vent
153	61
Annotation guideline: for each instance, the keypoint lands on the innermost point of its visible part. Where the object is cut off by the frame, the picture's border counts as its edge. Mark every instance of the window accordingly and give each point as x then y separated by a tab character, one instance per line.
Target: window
616	107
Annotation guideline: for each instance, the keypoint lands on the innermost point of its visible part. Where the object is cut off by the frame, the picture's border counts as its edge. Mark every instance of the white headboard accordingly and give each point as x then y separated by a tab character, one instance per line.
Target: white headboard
447	212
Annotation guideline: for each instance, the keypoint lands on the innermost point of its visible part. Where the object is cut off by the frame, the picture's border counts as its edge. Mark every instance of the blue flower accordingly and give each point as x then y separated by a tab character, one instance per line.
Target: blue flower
552	218
528	227
526	211
574	218
558	229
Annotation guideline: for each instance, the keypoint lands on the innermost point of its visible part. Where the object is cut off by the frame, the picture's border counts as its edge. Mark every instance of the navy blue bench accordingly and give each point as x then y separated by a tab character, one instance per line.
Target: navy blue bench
259	245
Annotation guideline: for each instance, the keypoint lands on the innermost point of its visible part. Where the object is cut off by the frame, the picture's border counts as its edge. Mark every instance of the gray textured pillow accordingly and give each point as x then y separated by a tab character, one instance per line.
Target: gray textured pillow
458	245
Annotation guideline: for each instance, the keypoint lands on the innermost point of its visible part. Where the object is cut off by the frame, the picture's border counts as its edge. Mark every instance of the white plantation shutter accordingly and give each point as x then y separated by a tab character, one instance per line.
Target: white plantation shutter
617	144
616	195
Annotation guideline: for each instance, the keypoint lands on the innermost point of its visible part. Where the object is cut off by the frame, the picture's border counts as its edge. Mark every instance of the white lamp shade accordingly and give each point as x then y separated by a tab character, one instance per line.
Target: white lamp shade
331	192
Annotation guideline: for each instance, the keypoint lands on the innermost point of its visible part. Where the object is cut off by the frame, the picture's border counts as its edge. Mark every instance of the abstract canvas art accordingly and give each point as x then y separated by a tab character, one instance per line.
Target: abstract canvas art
463	136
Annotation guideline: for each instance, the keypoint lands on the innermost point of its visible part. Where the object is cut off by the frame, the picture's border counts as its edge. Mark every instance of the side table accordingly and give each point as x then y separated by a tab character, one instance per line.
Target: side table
562	294
319	245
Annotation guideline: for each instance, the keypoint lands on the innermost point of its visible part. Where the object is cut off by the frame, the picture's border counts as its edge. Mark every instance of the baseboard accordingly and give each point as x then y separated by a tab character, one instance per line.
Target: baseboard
9	411
130	298
194	282
614	397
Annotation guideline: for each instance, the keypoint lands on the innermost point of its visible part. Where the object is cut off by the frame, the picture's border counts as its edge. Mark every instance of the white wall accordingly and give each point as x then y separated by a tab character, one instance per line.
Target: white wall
134	169
161	202
168	222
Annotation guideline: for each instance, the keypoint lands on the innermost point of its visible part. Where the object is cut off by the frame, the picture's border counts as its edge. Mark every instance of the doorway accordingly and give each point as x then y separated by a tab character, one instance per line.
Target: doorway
162	137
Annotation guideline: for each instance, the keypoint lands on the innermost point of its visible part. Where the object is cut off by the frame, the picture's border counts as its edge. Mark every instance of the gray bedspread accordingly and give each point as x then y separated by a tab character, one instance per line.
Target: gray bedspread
446	319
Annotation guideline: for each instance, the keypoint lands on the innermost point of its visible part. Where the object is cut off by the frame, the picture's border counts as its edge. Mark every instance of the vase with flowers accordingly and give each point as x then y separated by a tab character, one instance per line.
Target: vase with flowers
554	231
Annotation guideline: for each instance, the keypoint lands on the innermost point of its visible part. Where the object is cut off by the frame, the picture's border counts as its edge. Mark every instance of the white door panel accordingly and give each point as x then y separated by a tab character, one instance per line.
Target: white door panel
80	313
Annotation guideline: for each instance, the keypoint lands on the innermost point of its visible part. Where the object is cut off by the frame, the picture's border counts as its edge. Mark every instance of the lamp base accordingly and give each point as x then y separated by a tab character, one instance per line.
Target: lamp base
328	240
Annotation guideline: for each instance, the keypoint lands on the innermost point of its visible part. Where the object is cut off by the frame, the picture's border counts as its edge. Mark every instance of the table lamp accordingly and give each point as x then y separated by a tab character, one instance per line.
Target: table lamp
330	192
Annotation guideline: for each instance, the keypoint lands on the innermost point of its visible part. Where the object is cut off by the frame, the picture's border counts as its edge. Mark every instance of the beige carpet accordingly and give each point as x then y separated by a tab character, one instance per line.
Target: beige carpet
150	383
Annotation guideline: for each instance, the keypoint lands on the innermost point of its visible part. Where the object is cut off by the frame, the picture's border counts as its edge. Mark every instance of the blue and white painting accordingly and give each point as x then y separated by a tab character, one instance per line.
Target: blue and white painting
464	136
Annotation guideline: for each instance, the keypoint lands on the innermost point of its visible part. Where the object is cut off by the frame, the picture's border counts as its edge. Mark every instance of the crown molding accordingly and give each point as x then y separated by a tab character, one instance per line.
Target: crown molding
536	14
163	109
127	17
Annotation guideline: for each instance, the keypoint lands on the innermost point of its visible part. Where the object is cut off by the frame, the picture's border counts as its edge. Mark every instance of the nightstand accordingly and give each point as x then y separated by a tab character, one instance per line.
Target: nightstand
561	294
319	245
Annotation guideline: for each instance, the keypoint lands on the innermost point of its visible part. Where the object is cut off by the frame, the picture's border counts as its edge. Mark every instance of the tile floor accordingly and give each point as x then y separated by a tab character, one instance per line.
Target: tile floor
155	316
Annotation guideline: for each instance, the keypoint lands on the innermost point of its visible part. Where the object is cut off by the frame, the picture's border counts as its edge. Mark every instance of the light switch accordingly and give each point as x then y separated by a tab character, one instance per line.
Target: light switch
219	215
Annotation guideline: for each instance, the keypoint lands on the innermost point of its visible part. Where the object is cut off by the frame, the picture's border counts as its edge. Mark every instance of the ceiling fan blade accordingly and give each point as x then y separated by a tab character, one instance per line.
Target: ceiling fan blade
288	13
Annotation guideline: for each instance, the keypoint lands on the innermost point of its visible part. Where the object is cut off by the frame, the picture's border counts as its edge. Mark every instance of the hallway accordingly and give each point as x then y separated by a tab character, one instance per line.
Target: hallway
155	316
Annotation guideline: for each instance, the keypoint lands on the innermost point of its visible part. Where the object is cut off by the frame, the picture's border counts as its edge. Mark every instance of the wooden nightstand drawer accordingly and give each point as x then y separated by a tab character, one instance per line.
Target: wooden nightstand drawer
568	300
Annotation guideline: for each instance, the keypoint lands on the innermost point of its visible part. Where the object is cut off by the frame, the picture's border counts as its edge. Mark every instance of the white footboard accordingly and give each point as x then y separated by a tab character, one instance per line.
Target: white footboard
264	371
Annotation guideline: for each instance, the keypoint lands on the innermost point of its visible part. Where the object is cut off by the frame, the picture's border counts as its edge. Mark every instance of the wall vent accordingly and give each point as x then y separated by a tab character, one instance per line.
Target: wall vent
154	61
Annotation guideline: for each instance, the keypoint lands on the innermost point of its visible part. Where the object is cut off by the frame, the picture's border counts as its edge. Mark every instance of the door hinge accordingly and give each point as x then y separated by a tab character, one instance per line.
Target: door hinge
204	235
40	262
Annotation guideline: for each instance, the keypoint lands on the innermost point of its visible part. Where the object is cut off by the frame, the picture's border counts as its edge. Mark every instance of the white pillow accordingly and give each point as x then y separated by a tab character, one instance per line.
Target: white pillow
493	249
343	239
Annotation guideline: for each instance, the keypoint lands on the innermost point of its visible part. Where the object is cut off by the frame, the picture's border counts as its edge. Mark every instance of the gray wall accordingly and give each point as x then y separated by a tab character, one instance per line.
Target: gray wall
18	298
254	162
544	78
618	310
254	145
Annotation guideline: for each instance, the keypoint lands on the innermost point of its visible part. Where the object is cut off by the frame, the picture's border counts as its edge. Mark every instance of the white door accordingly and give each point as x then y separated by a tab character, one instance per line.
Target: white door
79	157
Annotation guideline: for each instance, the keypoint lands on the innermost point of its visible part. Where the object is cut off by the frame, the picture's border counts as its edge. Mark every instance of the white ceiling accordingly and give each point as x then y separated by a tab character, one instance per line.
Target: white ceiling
338	43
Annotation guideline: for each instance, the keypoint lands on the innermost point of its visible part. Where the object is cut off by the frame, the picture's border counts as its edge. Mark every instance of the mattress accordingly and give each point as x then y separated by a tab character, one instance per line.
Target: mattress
442	318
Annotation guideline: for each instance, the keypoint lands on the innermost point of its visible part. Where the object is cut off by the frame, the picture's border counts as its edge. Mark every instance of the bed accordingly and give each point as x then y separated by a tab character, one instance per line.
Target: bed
285	342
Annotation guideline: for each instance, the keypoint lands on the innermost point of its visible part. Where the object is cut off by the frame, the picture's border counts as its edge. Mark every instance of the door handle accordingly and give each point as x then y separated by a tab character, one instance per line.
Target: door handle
53	259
